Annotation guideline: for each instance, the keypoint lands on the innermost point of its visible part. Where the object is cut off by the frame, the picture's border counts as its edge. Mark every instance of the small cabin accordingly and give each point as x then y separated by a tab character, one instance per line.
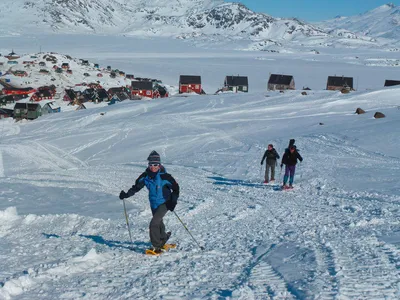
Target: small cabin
20	73
70	95
42	95
279	82
236	84
114	90
142	88
119	96
392	82
28	111
338	83
48	109
190	84
102	95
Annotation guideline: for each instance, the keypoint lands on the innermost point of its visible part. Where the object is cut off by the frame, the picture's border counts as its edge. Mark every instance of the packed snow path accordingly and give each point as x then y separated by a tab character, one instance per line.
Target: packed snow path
260	243
64	236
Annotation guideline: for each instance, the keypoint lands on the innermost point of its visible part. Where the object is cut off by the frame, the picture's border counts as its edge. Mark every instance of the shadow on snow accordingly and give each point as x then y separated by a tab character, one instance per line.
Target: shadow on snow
237	182
136	246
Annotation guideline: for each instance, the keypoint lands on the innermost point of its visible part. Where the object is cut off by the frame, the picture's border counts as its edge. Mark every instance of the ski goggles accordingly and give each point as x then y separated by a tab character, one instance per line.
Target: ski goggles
154	165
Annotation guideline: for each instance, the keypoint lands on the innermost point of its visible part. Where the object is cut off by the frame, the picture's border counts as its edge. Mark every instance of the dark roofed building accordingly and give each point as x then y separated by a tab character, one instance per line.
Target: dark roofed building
339	83
70	95
142	85
102	95
392	82
113	90
236	83
280	82
143	89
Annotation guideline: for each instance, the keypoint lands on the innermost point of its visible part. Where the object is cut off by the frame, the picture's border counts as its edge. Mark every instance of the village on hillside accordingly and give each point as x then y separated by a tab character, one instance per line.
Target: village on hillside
32	85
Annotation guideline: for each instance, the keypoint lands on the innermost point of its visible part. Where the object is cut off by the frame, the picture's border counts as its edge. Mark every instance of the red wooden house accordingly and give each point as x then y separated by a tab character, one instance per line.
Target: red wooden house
18	91
65	66
42	95
144	89
50	88
190	84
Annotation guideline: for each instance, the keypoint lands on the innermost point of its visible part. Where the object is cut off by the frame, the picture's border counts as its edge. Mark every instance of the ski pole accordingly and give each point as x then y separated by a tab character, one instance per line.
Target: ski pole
127	222
202	248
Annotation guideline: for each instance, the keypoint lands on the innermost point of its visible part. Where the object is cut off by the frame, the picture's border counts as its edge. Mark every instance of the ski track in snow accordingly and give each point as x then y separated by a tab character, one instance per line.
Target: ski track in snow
254	235
91	258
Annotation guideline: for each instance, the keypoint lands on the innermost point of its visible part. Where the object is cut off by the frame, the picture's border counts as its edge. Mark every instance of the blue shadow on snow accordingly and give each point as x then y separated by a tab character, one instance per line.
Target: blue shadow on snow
136	246
237	182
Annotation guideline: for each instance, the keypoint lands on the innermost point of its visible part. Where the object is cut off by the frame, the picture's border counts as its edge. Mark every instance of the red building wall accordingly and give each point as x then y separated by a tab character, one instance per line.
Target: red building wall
190	88
143	93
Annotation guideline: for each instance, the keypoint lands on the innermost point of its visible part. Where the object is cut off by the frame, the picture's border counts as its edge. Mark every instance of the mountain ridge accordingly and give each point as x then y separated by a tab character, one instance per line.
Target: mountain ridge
184	19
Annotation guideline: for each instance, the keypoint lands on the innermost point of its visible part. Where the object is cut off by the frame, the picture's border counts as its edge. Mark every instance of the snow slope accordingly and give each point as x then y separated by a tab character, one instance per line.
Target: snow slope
336	236
63	233
381	22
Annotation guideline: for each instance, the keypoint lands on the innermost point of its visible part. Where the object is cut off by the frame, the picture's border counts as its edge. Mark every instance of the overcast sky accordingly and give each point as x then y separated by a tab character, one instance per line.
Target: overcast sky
313	10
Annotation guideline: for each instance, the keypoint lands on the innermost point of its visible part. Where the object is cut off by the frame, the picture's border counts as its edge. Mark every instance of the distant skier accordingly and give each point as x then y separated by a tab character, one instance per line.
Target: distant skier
289	159
163	196
271	157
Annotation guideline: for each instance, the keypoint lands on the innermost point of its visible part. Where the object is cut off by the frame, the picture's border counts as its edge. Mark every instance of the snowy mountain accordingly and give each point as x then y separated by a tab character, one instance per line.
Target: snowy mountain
212	20
382	22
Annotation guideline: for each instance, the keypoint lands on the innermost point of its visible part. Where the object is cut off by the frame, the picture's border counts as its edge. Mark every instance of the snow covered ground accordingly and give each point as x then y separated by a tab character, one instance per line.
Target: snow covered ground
335	236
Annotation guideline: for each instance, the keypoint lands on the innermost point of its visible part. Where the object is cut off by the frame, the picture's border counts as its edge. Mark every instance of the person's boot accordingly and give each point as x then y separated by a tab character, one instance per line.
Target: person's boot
168	236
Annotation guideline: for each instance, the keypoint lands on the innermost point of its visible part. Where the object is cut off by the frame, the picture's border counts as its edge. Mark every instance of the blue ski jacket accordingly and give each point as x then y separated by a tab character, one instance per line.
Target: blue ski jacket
162	188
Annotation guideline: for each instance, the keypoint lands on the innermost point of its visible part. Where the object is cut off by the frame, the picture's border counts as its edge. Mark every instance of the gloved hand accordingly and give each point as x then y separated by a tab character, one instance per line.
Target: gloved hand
171	203
123	195
261	163
281	166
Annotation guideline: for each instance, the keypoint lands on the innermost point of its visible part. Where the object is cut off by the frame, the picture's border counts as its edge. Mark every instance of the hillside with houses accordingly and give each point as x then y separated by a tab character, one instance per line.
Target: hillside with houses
51	79
49	82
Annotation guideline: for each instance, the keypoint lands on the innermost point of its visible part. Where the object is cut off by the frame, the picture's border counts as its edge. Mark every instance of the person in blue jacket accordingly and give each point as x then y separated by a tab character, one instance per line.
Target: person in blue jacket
163	196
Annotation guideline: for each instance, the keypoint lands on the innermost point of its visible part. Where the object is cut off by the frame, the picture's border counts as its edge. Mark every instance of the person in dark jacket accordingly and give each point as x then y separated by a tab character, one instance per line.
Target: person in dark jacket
163	196
289	159
271	157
